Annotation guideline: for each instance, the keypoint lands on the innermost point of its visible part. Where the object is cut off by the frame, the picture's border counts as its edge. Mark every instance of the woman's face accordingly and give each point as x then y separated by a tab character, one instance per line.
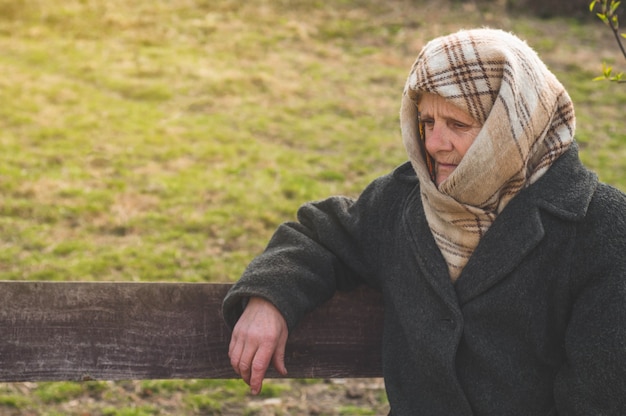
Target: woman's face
449	132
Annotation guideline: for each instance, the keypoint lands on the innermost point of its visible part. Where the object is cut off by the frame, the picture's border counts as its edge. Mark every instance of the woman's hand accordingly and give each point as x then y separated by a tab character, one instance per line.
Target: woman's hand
259	337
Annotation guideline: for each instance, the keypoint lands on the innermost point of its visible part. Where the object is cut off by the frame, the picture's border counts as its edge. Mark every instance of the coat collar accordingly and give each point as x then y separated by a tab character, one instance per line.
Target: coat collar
564	191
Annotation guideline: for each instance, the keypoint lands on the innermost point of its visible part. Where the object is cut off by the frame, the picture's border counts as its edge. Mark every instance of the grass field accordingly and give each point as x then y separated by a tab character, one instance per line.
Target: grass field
165	140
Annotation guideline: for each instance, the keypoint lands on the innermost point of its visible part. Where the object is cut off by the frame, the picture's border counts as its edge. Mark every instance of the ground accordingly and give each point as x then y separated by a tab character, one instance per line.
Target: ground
136	398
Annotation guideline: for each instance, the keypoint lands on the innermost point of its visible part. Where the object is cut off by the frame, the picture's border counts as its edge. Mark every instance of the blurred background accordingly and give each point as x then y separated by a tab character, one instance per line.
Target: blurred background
165	140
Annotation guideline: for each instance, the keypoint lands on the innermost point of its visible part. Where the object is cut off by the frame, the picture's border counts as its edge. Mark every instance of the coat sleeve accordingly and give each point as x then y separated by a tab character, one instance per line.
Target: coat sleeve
592	380
329	248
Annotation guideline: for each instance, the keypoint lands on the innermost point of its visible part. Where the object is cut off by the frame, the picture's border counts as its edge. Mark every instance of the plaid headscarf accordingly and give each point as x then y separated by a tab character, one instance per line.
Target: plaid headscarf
528	122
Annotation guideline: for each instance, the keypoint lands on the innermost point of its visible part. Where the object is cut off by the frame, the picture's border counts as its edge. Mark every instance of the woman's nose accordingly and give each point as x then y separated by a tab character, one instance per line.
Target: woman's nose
437	139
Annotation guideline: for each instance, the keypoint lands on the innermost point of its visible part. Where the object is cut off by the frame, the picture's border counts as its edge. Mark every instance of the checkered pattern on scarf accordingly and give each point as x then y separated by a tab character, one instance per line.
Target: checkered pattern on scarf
527	123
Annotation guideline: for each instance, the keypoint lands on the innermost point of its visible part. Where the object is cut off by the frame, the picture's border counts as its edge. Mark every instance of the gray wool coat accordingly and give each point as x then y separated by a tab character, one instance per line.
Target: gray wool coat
535	324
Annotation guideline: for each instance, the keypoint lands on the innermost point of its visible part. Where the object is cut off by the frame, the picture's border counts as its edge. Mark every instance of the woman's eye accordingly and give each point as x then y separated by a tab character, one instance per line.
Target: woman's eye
428	123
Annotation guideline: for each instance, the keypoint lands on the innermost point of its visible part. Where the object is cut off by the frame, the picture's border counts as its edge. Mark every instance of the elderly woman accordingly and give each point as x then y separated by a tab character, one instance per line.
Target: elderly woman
499	256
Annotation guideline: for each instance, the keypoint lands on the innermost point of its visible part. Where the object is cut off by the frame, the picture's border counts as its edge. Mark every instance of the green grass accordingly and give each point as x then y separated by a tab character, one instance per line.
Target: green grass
165	141
355	410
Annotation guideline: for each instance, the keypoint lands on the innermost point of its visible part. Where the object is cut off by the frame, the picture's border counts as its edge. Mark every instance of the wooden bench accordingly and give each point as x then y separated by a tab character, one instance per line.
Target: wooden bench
77	331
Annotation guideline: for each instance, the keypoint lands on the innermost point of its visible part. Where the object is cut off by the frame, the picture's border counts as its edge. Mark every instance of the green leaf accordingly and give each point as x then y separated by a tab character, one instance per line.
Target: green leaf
624	35
603	17
614	6
606	70
592	5
600	78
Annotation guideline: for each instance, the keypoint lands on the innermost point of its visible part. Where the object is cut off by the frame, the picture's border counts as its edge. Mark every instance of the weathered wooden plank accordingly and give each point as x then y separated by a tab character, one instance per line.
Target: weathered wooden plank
118	331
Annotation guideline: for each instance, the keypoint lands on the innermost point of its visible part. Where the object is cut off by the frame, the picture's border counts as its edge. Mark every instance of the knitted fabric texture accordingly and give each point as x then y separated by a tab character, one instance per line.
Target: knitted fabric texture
527	123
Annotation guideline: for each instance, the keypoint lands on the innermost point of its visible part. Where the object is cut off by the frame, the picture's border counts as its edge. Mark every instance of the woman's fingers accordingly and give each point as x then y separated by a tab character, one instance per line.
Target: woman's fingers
259	337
